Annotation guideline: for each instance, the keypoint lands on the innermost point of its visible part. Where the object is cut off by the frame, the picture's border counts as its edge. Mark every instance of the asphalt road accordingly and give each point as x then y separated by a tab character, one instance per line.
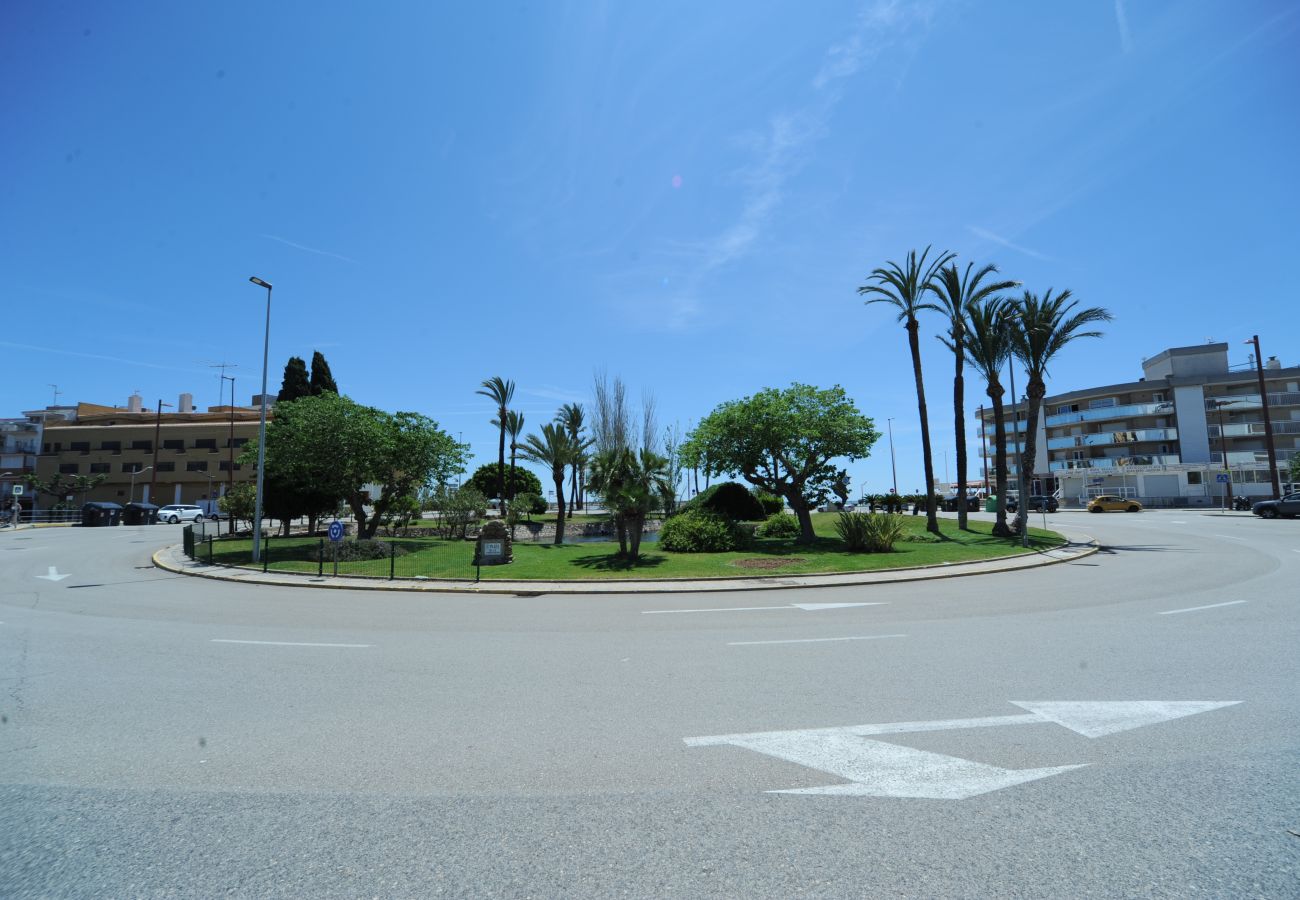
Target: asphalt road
171	736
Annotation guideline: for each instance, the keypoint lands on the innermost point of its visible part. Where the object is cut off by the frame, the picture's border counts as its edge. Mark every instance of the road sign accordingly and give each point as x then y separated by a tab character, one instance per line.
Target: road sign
18	490
1222	478
336	531
881	769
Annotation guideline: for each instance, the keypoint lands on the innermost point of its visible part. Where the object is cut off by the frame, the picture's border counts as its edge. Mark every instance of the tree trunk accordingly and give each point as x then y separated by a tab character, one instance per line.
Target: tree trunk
1034	393
959	416
635	524
510	486
995	392
501	458
620	526
558	475
931	519
359	513
582	487
804	515
573	489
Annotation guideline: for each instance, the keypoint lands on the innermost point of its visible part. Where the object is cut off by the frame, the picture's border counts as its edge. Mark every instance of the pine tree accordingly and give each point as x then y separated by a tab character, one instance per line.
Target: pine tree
321	379
295	382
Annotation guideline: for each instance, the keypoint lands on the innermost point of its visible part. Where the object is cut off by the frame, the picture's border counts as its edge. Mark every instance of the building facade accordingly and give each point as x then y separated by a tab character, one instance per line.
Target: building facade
1187	433
177	455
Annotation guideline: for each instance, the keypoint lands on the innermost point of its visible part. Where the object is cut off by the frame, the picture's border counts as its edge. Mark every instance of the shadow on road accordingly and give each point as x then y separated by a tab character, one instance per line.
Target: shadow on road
1113	549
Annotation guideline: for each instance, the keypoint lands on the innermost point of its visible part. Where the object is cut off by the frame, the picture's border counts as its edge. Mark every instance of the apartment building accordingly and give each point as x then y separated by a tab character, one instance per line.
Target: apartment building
20	442
178	455
1184	434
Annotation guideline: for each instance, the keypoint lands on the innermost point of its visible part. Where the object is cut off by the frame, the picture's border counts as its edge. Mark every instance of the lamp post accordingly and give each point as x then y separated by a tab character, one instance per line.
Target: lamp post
1223	448
157	434
984	452
261	429
231	442
133	474
1268	422
893	467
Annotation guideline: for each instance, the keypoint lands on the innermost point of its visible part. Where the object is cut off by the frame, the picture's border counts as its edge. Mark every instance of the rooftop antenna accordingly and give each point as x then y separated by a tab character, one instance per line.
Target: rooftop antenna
221	381
56	394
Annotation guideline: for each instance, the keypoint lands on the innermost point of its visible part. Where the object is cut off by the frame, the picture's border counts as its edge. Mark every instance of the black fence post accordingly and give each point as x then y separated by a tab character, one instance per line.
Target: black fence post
209	549
266	553
320	560
392	559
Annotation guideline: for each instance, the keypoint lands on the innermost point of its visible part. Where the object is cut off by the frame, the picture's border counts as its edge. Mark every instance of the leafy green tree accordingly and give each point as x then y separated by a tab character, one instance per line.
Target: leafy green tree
782	442
338	447
295	383
322	380
1043	327
239	503
1295	467
554	449
501	393
456	508
840	486
521	480
59	486
905	288
957	293
988	346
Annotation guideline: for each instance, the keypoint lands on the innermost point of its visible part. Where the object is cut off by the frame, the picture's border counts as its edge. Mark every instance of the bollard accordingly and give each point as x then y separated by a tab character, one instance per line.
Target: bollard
266	552
392	559
320	560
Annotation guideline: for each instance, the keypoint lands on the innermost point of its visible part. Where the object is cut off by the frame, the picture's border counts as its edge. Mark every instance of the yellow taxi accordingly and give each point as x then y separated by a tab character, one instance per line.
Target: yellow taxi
1111	503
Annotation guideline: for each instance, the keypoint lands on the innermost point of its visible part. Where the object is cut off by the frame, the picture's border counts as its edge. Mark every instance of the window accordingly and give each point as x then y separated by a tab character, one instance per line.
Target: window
1068	408
1193	477
196	466
166	467
225	466
1103	403
79	446
1158	397
100	468
47	449
177	445
111	446
236	443
128	468
69	468
146	446
206	444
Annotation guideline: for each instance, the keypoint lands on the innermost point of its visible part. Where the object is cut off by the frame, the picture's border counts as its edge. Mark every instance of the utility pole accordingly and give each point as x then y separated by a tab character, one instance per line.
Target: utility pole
261	430
157	433
56	395
231	442
893	466
1268	422
984	452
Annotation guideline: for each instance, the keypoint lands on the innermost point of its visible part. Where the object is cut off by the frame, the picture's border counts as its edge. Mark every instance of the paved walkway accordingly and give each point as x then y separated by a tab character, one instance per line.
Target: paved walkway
173	559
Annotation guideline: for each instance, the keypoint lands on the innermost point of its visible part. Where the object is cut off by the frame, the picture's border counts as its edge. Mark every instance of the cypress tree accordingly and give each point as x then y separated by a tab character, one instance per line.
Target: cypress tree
295	382
321	379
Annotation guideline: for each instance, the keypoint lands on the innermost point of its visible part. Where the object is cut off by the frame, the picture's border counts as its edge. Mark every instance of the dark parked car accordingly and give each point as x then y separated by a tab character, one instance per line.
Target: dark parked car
1288	506
1037	503
949	502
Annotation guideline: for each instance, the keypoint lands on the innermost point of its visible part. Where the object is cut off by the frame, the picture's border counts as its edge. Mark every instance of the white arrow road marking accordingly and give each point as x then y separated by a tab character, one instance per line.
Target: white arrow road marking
283	643
807	607
878	769
1174	612
867	637
53	575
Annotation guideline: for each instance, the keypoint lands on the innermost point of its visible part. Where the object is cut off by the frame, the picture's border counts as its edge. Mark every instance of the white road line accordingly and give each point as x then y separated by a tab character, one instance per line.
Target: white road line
806	607
1229	537
868	637
283	643
1174	612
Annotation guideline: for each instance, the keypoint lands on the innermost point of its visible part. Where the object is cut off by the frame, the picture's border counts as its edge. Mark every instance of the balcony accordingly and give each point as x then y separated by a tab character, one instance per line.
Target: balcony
1111	412
1251	401
1120	462
1106	438
1255	429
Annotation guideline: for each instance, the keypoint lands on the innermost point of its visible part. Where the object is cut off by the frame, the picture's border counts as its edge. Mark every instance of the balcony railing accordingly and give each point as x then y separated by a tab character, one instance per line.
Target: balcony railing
1254	429
1108	413
1112	437
1119	462
1251	401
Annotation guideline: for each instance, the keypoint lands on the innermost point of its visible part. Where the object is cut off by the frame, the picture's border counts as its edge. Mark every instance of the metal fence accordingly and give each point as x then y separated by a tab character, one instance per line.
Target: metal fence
386	558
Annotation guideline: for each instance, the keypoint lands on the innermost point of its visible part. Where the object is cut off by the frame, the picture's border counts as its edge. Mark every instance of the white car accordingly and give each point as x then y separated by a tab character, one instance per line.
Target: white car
180	512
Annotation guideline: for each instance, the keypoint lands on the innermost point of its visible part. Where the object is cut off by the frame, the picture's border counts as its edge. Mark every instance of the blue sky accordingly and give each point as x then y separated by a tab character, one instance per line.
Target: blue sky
686	195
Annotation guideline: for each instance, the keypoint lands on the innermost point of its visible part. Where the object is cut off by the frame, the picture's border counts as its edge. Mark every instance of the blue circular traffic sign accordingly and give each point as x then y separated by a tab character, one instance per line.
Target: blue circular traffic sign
336	531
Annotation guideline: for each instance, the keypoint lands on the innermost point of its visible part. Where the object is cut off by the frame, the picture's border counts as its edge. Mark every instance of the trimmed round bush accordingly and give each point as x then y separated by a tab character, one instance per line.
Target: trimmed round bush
782	525
354	551
694	531
771	503
729	500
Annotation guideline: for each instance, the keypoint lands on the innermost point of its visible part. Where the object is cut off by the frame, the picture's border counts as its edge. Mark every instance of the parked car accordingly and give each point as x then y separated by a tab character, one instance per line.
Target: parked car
180	512
949	502
1111	503
1288	506
1037	503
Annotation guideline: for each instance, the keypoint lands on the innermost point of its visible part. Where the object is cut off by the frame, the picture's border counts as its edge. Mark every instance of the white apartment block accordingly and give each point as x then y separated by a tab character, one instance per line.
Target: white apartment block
1182	435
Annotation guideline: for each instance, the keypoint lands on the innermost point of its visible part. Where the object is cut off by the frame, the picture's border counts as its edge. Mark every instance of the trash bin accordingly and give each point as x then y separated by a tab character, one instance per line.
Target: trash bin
100	513
991	503
140	514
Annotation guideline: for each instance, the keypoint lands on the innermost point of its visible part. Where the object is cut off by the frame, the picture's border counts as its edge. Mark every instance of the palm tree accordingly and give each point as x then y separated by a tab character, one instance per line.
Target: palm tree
514	426
501	393
905	289
957	293
553	449
988	346
570	416
1044	326
632	483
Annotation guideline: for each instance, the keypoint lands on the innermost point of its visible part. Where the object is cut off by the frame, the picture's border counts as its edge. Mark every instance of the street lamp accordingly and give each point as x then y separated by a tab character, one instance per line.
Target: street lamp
1268	422
133	474
1223	448
231	441
893	467
157	434
261	429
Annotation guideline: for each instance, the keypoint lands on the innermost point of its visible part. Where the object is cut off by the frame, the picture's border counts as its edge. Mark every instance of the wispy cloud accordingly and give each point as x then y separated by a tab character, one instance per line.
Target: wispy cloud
100	356
1121	19
304	247
1003	242
551	392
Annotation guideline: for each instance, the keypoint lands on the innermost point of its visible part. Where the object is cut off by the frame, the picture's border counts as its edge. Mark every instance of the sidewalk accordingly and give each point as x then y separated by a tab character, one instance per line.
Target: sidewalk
173	559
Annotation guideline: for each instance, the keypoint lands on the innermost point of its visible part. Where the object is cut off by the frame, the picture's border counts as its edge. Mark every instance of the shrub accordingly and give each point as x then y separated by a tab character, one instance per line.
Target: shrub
694	531
869	532
779	526
771	503
730	500
922	537
530	503
355	551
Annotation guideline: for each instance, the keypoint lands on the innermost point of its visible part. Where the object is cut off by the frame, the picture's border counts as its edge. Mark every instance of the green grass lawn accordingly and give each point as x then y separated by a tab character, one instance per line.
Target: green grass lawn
432	558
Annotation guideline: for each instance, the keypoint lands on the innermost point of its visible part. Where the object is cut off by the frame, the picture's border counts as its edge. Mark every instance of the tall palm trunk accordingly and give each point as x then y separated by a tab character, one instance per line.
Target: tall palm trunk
959	426
558	475
995	392
931	519
635	525
514	448
1034	394
501	459
573	488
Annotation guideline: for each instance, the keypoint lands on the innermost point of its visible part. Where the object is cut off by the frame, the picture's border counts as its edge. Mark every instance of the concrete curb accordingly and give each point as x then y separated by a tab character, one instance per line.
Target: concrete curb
173	559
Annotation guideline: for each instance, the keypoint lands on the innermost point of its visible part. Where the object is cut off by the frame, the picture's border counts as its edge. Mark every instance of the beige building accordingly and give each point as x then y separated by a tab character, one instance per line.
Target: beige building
180	455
